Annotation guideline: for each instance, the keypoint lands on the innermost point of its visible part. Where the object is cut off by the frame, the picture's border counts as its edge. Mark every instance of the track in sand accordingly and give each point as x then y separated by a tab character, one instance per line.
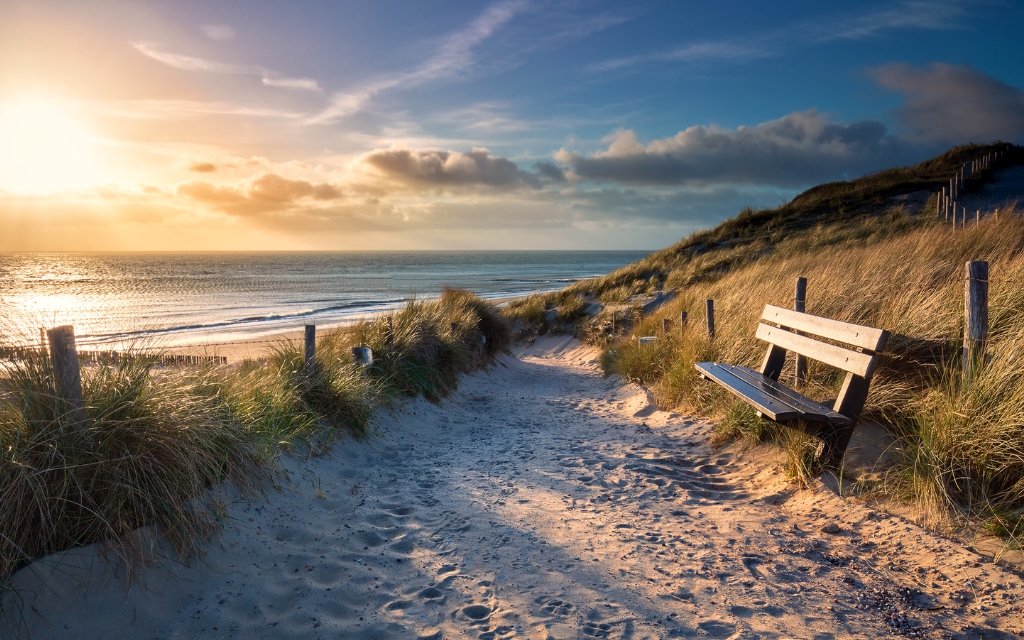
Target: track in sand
540	501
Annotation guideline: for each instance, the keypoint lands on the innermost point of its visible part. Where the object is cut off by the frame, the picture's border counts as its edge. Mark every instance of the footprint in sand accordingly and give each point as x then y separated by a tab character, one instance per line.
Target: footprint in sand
595	630
432	595
552	607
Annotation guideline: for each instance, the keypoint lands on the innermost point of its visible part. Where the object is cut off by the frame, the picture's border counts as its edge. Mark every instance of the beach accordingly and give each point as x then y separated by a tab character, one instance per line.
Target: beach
541	500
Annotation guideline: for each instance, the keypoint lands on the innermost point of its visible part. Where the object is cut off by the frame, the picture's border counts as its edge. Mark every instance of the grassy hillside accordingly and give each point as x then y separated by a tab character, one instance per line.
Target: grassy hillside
868	259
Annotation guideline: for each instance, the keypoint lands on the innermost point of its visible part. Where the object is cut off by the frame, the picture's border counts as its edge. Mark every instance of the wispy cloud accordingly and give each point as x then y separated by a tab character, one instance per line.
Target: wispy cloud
934	15
191	63
453	58
164	109
218	31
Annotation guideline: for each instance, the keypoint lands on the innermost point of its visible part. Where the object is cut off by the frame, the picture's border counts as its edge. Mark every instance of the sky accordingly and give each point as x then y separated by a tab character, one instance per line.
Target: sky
516	124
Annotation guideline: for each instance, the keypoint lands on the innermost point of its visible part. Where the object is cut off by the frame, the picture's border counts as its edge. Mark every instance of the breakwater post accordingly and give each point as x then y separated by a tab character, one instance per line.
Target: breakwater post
800	304
309	359
975	316
66	374
711	319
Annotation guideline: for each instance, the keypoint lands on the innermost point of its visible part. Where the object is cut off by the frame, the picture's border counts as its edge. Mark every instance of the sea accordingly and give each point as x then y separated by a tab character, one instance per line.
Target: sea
205	298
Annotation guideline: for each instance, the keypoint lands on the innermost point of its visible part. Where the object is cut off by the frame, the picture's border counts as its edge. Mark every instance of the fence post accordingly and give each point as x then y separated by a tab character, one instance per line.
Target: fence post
665	324
682	323
711	319
310	351
799	304
66	374
362	356
975	316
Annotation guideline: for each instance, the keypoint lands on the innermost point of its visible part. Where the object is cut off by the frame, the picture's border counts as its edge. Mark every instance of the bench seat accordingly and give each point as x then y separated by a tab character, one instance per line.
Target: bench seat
770	398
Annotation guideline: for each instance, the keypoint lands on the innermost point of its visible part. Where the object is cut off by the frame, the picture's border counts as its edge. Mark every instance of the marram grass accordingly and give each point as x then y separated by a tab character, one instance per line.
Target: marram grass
959	440
156	445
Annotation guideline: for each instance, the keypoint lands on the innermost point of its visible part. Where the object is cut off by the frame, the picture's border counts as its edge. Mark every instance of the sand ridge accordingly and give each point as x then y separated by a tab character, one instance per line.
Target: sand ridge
540	501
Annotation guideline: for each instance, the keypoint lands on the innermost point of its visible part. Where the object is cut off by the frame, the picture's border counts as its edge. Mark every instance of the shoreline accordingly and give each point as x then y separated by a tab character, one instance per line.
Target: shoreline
240	349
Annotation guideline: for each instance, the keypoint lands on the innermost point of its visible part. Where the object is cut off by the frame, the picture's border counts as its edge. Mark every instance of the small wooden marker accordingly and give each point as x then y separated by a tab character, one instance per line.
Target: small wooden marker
309	353
66	373
800	304
711	319
975	316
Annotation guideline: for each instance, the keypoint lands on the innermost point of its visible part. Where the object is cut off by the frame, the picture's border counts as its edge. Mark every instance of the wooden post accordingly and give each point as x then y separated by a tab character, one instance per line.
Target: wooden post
665	324
799	304
613	322
310	351
362	356
711	319
682	323
977	217
66	374
975	316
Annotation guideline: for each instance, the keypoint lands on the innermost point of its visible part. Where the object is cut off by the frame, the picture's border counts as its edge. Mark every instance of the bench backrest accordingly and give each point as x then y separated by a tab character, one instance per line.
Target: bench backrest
861	360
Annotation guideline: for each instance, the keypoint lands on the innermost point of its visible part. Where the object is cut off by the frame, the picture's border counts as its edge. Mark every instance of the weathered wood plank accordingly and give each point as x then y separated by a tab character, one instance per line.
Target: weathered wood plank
852	334
810	410
861	364
768	405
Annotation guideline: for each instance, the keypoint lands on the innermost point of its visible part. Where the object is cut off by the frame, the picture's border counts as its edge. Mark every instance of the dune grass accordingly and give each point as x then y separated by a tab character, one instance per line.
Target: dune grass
959	444
960	441
157	444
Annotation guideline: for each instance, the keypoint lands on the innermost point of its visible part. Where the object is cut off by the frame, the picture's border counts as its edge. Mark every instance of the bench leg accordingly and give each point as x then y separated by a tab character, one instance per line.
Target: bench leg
836	440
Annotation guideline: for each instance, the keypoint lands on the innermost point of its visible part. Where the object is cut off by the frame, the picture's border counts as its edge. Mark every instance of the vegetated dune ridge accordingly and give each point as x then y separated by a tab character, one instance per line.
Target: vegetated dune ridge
541	500
873	253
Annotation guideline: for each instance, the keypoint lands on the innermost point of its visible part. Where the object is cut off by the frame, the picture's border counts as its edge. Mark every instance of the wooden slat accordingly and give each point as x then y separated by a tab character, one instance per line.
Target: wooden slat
861	364
854	334
768	405
811	410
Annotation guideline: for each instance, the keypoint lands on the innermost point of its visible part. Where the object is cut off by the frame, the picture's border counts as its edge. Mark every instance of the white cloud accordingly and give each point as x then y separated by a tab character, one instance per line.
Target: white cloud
796	150
434	168
190	63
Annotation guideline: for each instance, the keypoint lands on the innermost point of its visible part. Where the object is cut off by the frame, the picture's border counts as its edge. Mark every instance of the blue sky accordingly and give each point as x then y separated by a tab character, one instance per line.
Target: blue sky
516	124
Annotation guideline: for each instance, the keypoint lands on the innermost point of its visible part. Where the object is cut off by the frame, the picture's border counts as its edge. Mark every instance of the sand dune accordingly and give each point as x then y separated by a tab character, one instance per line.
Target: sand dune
541	501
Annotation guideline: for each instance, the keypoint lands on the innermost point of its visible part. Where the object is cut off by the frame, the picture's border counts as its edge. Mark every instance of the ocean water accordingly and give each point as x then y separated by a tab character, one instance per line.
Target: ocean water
194	298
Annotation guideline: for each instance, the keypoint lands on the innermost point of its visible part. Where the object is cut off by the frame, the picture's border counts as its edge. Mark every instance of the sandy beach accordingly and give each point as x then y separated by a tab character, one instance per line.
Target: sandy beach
539	501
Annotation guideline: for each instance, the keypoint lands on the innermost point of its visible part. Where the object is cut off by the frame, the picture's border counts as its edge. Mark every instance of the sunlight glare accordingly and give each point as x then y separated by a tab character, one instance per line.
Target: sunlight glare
43	148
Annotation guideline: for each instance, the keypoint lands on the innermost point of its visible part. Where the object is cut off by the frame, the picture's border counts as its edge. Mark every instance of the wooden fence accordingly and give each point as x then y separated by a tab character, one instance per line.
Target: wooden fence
947	201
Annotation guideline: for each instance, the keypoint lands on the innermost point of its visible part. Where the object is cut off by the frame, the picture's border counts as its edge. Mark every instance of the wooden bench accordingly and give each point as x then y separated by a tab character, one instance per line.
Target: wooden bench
761	389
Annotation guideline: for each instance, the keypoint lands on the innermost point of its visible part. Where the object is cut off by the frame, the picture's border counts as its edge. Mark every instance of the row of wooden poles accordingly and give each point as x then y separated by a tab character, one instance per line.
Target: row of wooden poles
66	361
975	319
64	355
947	204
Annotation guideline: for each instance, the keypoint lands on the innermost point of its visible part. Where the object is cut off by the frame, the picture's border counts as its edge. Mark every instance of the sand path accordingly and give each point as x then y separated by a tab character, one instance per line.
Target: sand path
541	501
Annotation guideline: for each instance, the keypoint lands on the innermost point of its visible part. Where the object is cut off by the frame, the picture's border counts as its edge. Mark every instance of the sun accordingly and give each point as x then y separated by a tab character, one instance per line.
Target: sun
44	148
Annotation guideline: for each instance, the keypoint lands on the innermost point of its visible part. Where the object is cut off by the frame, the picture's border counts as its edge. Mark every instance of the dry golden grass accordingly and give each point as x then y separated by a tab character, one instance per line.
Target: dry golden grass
155	447
961	442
